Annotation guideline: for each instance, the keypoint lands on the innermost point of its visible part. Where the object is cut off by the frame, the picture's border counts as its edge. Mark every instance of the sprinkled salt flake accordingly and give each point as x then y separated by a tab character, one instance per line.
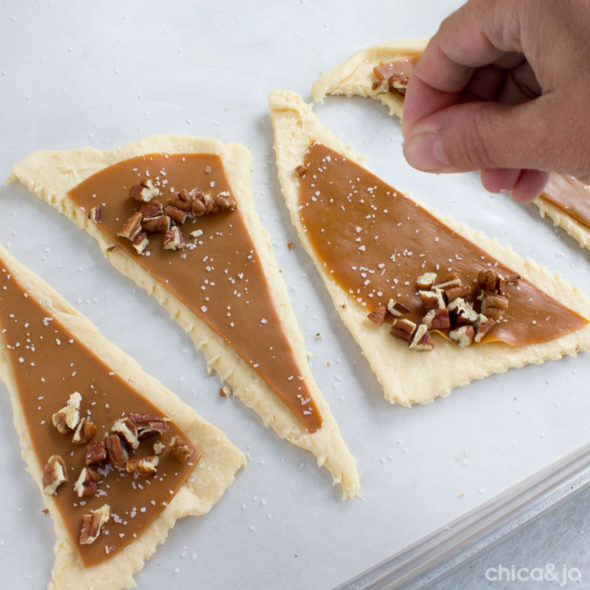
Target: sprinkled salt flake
197	233
47	321
204	308
21	359
264	321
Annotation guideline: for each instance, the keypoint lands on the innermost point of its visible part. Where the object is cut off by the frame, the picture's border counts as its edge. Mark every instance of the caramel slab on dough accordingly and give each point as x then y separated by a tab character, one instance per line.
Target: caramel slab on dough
409	377
357	76
52	175
79	566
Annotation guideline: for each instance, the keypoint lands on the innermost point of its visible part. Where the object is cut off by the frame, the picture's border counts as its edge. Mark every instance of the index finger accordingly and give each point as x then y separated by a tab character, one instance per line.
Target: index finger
477	34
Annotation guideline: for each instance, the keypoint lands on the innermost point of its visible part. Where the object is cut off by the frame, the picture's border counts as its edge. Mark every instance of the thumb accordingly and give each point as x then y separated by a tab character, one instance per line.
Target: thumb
480	135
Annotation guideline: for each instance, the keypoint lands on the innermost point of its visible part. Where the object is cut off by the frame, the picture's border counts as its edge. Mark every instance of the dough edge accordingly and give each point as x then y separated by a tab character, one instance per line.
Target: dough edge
211	477
51	174
408	377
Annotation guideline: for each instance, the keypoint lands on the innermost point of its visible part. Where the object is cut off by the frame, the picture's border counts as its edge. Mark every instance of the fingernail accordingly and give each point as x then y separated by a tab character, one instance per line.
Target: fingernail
424	152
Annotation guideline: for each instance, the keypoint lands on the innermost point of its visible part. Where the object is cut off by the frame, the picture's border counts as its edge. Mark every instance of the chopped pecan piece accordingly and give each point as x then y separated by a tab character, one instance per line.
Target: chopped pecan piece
144	192
300	171
84	432
68	417
143	465
205	204
156	225
426	280
92	524
462	311
159	447
116	452
87	483
437	319
95	214
457	291
290	245
453	281
463	336
180	449
131	227
126	429
176	214
95	453
378	314
487	279
397	309
54	474
148	425
184	199
141	242
432	299
173	239
151	209
225	391
422	340
403	329
483	326
493	306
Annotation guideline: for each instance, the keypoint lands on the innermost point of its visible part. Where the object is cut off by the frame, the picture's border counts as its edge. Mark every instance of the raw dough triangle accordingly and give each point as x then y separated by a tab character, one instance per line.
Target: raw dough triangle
407	376
51	175
41	308
355	77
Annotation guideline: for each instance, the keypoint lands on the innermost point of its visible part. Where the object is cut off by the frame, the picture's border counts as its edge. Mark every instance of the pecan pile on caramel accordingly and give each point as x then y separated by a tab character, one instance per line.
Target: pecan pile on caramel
464	313
153	216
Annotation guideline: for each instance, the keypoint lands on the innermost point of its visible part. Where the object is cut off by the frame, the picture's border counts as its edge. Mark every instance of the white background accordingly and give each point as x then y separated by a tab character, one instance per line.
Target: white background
105	73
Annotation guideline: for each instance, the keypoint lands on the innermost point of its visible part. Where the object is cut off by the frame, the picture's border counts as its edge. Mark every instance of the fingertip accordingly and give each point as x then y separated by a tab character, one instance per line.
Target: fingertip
499	180
424	152
529	186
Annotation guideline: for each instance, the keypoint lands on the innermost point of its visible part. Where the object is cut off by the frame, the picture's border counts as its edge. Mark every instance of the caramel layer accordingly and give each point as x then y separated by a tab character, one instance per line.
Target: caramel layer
49	364
375	242
569	195
218	276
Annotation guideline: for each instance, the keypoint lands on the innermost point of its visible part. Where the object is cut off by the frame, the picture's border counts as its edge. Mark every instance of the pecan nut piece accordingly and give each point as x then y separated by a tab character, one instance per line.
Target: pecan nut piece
457	291
300	170
92	524
84	432
176	214
378	314
422	341
156	225
144	192
54	474
148	425
127	430
463	336
462	311
95	453
173	239
403	329
397	309
184	199
181	450
437	319
116	452
140	242
68	417
151	209
143	465
487	279
86	485
432	299
484	327
426	280
493	306
131	227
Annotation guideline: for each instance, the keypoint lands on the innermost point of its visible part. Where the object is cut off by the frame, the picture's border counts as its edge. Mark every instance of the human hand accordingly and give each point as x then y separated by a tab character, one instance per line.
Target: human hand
504	86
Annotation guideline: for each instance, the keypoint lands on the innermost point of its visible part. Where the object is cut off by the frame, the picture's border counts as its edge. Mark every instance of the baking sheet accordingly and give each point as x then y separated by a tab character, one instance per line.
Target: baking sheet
78	73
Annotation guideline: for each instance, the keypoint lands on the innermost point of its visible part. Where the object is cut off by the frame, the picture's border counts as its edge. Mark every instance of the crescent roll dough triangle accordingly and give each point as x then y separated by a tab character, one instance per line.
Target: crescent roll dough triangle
356	77
58	338
273	335
408	376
